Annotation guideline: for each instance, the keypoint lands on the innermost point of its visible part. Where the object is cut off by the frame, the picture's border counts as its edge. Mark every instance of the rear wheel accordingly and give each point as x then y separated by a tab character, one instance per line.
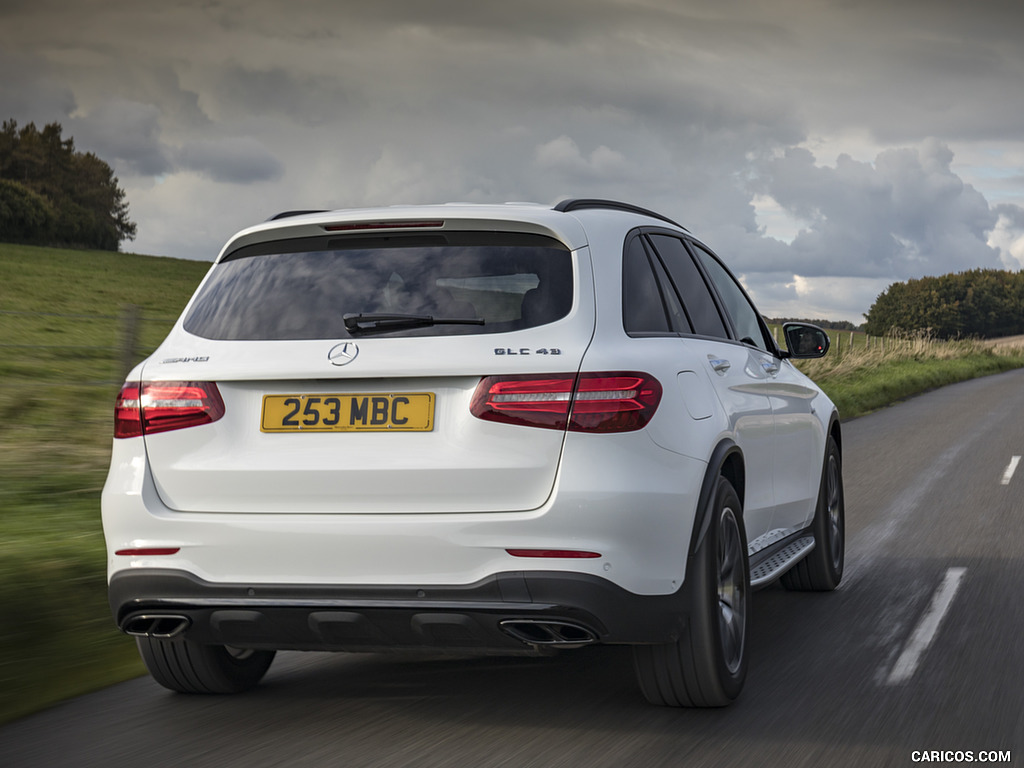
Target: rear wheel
188	667
707	665
822	569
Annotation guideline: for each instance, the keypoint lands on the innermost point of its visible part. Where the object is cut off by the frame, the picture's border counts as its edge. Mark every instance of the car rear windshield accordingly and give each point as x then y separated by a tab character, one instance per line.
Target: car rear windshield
303	289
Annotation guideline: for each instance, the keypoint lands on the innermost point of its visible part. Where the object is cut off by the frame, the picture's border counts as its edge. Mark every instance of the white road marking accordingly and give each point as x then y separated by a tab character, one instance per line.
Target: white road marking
926	630
1008	474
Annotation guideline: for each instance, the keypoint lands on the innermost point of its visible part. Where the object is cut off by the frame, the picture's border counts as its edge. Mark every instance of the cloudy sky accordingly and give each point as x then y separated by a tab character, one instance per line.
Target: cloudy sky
825	148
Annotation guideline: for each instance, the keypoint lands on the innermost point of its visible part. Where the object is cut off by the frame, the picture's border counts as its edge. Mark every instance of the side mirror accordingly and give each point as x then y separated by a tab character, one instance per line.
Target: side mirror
805	340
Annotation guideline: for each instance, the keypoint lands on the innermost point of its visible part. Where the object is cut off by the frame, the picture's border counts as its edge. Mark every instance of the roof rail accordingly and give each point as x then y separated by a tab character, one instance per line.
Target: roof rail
578	204
288	214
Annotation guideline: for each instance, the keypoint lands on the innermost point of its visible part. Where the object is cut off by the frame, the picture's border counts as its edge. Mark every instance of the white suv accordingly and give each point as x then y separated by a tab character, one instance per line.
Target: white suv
468	427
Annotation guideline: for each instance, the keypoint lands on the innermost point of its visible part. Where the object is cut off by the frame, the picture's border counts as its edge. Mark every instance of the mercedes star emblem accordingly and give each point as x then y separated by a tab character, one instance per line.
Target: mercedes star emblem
344	353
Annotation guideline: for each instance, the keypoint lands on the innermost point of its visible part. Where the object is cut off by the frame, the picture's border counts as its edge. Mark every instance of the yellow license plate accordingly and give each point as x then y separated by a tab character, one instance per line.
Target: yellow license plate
399	412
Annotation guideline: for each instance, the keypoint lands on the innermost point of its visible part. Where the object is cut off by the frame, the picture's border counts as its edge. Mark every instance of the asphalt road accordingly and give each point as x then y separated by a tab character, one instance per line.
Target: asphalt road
918	650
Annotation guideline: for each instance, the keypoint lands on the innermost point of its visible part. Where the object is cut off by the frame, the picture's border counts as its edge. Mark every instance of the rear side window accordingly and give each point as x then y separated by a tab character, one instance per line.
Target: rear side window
700	306
643	306
302	289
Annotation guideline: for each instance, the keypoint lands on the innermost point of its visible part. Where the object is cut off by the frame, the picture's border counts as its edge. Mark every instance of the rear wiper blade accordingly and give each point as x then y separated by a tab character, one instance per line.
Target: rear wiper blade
383	322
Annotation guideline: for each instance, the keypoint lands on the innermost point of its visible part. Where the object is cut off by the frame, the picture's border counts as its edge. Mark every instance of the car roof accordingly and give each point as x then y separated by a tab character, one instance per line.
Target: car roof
563	221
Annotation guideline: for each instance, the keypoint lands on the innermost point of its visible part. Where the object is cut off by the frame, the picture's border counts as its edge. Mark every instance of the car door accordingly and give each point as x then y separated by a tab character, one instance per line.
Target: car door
734	370
798	441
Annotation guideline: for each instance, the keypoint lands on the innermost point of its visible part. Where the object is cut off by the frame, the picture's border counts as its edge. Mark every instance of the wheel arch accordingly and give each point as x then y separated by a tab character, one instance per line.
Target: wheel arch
836	431
726	461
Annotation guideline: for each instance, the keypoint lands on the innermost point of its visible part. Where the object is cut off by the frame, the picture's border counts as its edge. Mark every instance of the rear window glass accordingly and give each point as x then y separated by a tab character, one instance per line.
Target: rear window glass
302	289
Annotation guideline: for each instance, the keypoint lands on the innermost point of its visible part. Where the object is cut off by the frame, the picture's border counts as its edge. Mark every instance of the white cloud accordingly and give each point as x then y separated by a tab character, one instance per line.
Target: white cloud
1008	237
563	156
905	215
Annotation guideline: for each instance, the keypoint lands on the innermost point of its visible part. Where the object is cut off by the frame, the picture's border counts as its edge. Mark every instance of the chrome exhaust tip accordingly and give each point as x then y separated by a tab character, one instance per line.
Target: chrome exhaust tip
541	632
159	627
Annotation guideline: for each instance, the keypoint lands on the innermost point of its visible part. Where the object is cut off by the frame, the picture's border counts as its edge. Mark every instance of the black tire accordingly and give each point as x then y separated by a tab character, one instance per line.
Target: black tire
188	667
707	665
822	569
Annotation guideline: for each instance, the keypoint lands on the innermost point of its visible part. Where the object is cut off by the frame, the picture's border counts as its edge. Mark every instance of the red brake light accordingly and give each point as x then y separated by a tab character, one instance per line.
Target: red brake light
614	402
588	402
526	400
162	406
433	223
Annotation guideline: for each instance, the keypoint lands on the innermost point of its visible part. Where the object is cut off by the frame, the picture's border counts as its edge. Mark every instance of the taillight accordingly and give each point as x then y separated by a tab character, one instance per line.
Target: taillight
619	401
161	406
527	400
128	412
614	402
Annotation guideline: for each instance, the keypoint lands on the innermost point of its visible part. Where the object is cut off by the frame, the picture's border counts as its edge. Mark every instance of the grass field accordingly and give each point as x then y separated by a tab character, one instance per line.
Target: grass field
61	365
862	374
60	368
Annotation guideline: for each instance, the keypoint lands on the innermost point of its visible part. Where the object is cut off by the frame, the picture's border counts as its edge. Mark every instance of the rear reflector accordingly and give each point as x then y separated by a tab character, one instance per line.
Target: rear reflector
619	401
148	551
161	406
554	553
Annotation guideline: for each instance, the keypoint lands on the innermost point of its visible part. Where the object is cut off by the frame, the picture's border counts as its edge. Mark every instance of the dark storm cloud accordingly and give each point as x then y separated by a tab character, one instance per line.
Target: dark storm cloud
125	134
29	93
128	135
230	160
314	99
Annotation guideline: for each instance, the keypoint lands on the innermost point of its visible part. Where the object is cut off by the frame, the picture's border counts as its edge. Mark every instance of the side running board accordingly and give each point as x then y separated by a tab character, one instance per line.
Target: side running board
780	561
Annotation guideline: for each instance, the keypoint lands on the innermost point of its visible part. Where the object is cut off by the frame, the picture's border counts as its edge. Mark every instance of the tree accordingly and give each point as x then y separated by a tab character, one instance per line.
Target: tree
87	207
25	216
981	302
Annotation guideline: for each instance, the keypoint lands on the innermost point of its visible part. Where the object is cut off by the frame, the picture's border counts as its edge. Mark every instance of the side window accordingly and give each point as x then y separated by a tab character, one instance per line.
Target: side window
688	281
677	318
643	310
744	316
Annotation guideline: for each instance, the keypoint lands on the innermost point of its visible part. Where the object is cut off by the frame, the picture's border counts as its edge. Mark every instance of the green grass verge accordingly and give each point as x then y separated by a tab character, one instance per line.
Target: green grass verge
870	389
58	379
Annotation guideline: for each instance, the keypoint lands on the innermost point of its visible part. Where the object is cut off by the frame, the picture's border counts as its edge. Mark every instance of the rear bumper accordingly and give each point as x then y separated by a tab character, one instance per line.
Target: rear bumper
627	499
511	611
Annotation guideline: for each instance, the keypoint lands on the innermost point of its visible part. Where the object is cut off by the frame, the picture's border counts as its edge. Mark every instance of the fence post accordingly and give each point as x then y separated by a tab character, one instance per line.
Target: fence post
131	320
